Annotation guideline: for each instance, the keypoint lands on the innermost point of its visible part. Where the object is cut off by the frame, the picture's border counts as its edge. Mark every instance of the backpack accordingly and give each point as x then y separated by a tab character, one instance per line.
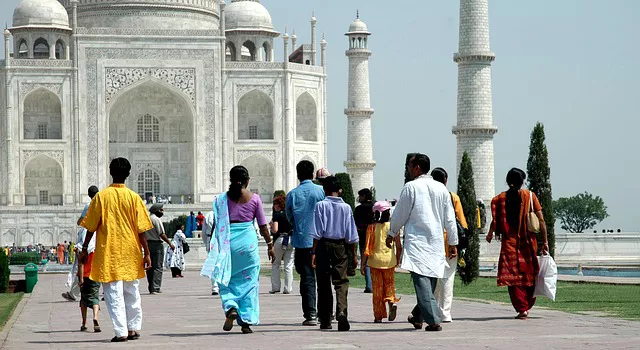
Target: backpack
463	237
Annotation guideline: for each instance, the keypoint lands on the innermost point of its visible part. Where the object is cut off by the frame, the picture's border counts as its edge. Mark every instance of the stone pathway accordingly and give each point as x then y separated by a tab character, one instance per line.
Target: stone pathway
185	316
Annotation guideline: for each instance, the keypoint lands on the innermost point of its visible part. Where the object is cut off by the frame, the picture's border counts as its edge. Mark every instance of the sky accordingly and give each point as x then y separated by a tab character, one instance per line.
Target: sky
570	64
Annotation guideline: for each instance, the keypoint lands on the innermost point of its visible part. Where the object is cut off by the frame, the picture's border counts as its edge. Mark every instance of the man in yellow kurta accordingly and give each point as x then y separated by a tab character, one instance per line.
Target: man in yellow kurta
119	219
444	290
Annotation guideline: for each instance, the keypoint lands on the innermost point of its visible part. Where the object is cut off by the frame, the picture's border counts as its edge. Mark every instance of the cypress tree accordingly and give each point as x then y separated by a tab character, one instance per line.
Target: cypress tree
347	189
539	181
4	271
467	193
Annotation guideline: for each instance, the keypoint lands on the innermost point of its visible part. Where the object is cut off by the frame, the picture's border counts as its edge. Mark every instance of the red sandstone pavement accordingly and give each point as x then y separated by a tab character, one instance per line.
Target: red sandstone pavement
186	316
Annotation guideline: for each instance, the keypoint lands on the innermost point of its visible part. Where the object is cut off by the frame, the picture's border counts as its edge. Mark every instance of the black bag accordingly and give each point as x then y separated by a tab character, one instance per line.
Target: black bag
185	247
463	237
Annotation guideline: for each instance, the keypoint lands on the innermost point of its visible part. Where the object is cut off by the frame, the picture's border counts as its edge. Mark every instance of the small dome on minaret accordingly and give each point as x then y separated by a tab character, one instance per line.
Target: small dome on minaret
358	26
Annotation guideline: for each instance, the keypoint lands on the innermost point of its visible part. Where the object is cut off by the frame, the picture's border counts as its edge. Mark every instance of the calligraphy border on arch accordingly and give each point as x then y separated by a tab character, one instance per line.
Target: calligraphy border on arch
92	54
242	90
117	79
313	91
243	155
27	88
27	155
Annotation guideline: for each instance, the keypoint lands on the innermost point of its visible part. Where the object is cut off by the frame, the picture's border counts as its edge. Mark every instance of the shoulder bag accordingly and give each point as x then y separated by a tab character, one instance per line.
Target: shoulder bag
533	223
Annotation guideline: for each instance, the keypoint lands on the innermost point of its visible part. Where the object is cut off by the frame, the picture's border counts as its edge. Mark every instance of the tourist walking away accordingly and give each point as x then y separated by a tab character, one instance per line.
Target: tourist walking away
200	220
363	214
301	202
334	232
67	247
89	289
119	219
60	251
155	237
234	261
281	230
175	253
382	262
518	263
424	209
207	232
444	290
192	225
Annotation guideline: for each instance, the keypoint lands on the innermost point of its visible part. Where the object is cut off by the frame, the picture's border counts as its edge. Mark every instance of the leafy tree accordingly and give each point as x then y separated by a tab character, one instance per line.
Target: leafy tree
467	193
373	194
4	271
347	189
172	226
580	212
539	182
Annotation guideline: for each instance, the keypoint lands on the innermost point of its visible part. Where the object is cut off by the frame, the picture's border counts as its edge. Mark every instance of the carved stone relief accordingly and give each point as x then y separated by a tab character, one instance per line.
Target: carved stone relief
117	79
242	155
26	88
29	154
241	90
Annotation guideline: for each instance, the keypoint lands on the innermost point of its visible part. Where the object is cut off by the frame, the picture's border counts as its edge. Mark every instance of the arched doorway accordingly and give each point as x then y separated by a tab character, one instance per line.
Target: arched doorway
262	174
152	126
42	116
43	181
255	116
306	118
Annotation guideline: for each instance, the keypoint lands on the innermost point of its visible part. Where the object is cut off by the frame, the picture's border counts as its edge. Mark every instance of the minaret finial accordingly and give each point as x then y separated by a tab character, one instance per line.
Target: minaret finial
357	14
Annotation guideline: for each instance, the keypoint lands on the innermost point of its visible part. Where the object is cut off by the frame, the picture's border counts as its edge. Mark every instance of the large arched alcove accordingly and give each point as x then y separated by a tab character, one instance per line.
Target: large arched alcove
306	118
255	116
43	182
42	116
151	124
262	174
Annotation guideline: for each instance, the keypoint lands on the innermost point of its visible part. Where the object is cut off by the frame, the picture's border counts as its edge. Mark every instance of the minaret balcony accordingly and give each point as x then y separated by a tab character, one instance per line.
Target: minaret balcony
474	57
358	53
367	165
358	112
474	131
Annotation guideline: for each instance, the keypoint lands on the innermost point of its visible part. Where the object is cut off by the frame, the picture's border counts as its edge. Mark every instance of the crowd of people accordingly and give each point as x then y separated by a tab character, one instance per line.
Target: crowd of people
62	253
312	230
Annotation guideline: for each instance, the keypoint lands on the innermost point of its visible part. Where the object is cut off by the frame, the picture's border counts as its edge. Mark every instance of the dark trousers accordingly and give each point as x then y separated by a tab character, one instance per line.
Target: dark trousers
427	309
362	235
302	262
175	272
154	274
331	267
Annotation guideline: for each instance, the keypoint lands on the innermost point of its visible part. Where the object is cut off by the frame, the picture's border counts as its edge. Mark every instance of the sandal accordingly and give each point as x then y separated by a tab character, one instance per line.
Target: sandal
232	315
135	336
393	312
119	339
377	320
433	328
246	330
522	316
96	326
416	325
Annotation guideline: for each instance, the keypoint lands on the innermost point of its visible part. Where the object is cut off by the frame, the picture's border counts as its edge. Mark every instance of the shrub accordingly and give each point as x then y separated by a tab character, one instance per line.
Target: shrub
467	193
347	189
172	226
25	258
4	271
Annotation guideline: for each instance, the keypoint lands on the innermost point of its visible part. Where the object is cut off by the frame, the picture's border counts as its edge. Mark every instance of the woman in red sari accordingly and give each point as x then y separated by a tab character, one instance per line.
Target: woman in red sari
518	264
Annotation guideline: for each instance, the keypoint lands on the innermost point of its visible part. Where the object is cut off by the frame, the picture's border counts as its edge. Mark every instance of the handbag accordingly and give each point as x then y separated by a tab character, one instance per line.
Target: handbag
533	223
463	239
185	247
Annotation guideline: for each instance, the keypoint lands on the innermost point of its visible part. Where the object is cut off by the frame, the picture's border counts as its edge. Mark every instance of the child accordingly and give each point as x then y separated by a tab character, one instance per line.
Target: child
382	262
89	290
334	232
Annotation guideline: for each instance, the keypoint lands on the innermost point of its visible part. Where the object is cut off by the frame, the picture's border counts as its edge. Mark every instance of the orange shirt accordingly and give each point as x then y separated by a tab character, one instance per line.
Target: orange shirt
117	215
87	266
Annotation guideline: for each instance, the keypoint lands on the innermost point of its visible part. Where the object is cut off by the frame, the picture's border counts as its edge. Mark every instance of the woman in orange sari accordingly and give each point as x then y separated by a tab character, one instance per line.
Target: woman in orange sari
518	264
60	251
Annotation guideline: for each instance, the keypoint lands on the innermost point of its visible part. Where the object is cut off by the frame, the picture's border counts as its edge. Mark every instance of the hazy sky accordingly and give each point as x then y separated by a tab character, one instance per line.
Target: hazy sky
571	64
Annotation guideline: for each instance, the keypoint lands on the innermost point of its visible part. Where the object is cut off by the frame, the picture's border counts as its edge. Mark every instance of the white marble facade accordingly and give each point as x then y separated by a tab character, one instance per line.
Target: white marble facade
185	89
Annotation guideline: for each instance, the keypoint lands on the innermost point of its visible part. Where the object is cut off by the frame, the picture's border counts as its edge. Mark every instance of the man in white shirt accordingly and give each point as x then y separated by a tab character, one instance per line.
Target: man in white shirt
207	233
425	211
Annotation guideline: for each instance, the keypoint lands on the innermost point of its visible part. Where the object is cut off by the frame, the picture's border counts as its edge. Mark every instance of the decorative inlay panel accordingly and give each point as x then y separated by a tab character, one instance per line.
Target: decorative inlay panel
27	155
117	79
242	155
26	88
241	90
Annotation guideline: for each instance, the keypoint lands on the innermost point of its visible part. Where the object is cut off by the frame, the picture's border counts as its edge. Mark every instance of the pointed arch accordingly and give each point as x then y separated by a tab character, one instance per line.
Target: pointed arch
23	49
61	50
43	181
42	115
255	116
306	118
248	51
230	51
262	176
266	52
41	48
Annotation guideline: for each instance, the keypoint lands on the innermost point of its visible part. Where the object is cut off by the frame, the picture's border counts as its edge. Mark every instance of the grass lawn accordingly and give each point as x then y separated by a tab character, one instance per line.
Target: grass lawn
621	301
8	302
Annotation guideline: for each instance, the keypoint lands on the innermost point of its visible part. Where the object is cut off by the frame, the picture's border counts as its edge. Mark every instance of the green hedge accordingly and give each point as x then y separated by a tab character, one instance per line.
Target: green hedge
25	258
172	226
4	271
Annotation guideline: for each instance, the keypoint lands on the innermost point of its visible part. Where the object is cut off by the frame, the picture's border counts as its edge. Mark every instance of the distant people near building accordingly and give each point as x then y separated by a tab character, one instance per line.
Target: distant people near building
382	262
200	220
207	233
444	290
155	237
67	246
60	251
424	209
175	253
182	199
363	214
89	289
300	205
518	263
281	230
119	219
234	260
191	225
169	199
334	232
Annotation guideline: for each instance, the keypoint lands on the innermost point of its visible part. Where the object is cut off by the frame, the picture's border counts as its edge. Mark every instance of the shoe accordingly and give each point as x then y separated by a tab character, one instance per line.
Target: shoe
274	291
343	323
368	291
96	327
135	336
246	330
119	339
324	327
232	315
68	296
215	293
152	293
416	325
433	328
285	292
83	329
377	320
310	322
393	312
158	292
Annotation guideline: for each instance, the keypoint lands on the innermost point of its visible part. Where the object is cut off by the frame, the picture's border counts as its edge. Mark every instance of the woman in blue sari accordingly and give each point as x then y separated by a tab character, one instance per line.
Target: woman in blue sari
234	261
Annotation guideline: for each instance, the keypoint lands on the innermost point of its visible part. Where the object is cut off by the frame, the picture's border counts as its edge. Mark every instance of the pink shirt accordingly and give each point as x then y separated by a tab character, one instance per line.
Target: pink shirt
248	211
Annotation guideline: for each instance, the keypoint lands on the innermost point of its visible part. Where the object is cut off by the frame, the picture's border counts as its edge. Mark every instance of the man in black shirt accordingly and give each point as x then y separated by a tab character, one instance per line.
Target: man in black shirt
363	215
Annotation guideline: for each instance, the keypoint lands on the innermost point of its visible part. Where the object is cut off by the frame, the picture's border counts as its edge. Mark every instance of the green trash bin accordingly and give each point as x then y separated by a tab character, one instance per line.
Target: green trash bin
31	276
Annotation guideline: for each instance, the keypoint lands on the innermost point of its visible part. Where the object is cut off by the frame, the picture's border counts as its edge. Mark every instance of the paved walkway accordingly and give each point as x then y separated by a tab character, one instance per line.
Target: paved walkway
185	316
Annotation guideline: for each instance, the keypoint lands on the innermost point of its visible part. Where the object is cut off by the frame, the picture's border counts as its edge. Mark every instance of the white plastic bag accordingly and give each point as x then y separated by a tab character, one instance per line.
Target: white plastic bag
547	277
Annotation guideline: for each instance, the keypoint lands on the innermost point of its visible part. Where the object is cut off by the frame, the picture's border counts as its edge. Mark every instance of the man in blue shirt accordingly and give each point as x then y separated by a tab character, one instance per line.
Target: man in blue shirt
301	202
335	232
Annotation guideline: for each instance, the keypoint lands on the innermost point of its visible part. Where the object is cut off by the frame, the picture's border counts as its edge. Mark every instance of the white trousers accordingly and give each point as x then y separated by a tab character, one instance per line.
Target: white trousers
286	254
124	305
444	290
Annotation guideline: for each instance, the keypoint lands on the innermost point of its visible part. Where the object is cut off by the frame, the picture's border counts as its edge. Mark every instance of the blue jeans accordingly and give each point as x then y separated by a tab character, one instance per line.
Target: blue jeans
302	262
367	273
427	309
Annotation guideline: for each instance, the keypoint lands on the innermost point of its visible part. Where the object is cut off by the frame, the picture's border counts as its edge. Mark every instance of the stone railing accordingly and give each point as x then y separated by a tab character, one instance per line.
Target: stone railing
306	68
211	6
38	63
237	65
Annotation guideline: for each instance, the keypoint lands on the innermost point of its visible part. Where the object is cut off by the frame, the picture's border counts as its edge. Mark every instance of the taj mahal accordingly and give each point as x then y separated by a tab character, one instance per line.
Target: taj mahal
186	89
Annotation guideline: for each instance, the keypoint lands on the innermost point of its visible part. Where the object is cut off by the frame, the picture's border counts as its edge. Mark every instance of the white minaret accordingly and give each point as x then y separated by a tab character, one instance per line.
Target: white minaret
475	128
360	161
